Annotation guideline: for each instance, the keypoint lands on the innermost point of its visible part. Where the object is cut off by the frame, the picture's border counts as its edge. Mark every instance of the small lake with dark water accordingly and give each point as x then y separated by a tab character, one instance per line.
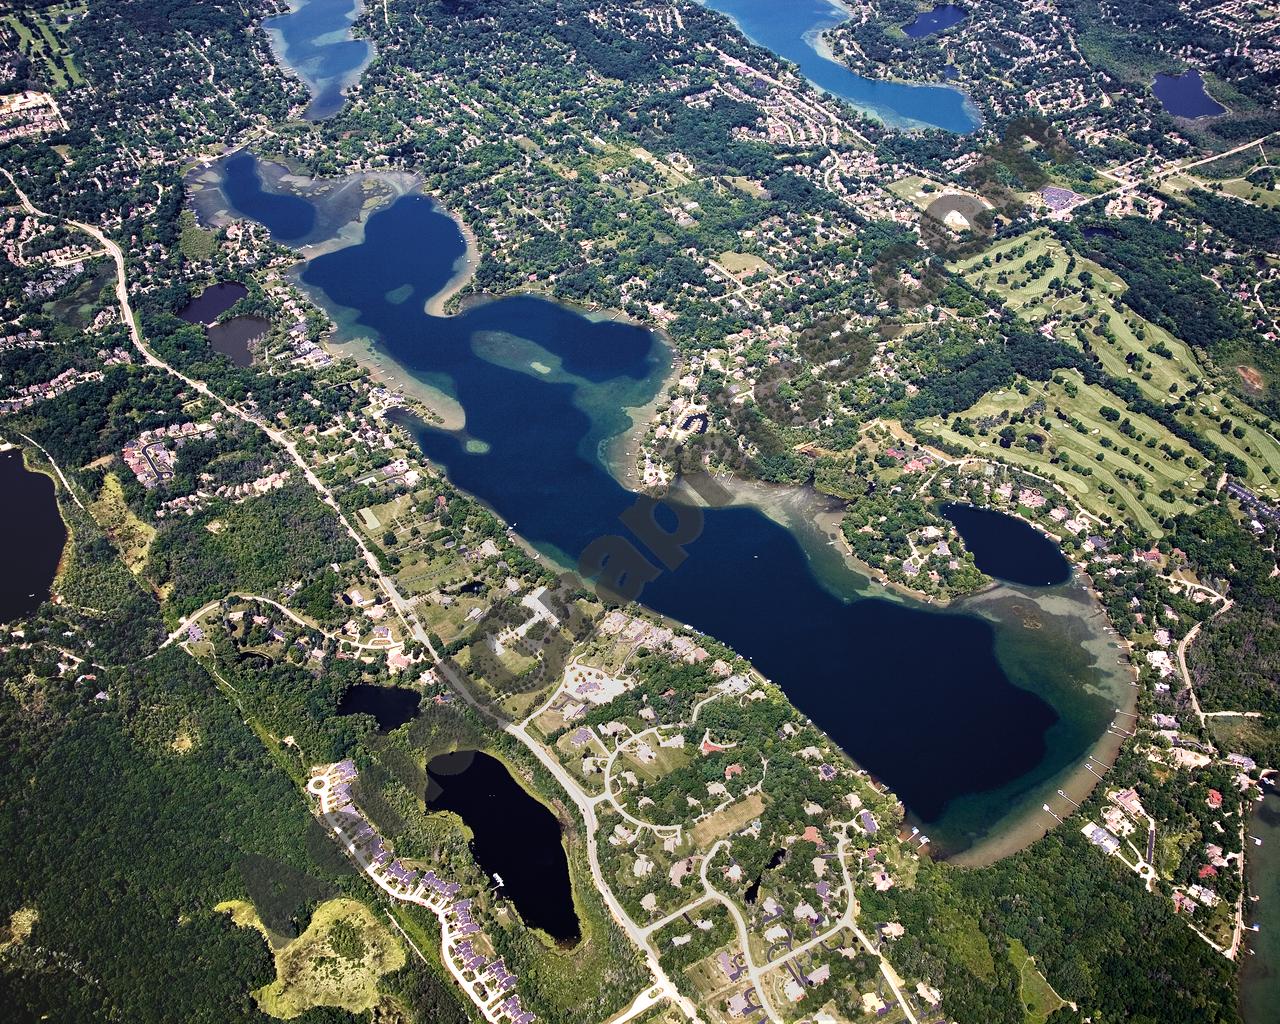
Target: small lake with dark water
941	17
793	31
34	536
231	337
1185	96
234	338
392	706
514	836
1007	548
211	303
314	40
971	715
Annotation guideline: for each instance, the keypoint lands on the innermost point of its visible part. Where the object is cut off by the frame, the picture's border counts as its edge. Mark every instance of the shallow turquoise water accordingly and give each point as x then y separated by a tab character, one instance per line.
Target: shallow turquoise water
314	40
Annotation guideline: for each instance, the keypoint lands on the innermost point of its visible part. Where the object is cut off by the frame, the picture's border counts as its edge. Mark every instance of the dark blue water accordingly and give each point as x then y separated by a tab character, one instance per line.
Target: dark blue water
289	218
928	22
1007	548
314	40
513	836
790	29
921	698
1184	96
391	706
34	536
215	300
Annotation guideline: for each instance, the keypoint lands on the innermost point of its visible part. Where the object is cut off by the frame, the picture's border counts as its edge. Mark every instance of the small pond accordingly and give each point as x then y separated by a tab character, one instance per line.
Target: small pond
515	837
34	536
392	706
1184	95
234	337
941	17
1007	548
211	303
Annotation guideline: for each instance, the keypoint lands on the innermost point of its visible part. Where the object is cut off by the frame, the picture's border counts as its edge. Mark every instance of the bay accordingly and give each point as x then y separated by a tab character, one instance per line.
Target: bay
793	31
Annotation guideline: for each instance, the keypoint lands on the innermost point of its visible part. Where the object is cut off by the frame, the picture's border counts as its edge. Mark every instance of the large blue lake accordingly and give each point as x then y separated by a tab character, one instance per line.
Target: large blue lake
971	716
314	40
791	30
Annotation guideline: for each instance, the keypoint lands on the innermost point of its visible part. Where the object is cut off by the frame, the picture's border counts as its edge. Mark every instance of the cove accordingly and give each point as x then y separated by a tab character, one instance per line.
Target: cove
34	536
314	41
793	31
1185	96
392	706
1007	548
514	836
297	210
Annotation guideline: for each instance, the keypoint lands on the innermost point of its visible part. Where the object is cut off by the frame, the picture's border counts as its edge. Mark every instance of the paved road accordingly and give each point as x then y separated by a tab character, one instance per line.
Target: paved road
406	614
186	622
1186	642
1166	171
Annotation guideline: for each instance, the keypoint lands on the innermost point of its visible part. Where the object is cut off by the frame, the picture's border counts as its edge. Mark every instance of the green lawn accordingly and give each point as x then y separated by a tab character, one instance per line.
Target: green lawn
1135	480
1133	348
1038	997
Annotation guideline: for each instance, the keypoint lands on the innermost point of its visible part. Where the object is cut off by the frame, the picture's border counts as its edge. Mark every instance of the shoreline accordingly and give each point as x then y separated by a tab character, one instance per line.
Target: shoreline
464	270
822	47
814	38
29	465
278	45
811	523
1077	783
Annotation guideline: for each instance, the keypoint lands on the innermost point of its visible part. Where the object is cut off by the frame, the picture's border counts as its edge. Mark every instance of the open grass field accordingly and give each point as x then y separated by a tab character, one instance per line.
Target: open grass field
131	535
1038	997
1131	476
742	264
727	821
337	961
1238	733
667	760
920	192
